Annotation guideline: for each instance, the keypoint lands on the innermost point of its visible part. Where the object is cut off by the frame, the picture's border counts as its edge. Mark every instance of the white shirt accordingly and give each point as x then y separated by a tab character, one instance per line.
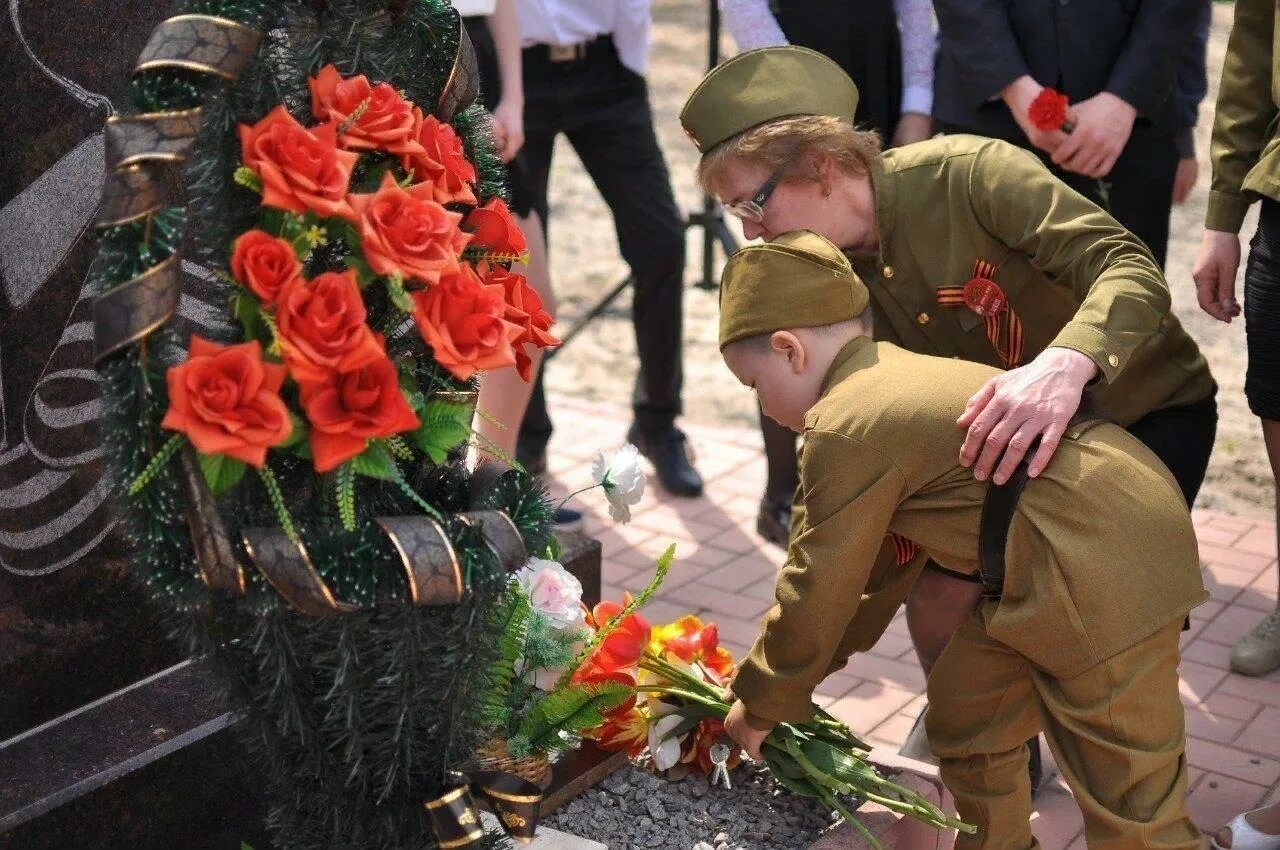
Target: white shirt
471	8
566	22
753	25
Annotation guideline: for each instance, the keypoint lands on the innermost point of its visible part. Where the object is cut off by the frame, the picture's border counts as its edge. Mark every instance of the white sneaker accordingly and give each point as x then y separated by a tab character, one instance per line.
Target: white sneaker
1258	653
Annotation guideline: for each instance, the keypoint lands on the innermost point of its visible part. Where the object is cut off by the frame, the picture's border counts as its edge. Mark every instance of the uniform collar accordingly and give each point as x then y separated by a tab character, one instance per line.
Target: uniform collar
884	186
857	353
884	193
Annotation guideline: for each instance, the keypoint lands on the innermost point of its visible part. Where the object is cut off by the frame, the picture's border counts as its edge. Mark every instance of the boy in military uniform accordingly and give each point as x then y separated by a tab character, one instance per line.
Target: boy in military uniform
1089	569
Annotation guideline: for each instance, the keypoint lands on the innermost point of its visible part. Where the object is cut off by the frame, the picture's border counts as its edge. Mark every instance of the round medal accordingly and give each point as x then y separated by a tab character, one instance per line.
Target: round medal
984	297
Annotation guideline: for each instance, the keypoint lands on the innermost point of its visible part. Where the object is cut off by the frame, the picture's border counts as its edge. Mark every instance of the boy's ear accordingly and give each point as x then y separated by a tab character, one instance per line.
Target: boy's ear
788	344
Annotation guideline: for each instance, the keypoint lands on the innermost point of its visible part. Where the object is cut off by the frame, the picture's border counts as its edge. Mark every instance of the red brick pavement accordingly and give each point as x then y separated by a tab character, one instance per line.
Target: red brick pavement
725	572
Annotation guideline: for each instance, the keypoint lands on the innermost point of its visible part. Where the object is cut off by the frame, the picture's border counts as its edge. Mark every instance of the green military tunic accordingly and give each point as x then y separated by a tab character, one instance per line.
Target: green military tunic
1100	555
1073	276
1246	146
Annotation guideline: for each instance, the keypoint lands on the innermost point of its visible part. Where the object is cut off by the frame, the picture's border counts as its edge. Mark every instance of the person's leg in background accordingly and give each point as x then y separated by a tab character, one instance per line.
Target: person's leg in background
614	137
1258	652
782	471
541	126
504	395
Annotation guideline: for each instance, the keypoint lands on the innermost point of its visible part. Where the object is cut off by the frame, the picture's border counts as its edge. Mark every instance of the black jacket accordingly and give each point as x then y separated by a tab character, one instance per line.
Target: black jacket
1130	48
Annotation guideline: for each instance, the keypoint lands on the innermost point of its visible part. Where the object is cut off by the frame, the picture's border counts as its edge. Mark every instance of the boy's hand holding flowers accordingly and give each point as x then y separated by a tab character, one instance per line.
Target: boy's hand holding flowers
746	731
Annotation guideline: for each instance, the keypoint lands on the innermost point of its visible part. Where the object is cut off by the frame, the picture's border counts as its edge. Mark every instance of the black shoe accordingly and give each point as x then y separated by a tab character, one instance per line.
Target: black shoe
533	461
567	519
668	450
1035	767
773	523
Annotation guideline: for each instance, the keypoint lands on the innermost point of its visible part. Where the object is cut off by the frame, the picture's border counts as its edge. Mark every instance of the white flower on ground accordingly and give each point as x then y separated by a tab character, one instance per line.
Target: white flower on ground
665	753
553	592
622	479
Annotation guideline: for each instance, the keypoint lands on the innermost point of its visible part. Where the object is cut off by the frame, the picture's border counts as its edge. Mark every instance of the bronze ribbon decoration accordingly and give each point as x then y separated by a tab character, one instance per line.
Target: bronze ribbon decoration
502	536
286	564
455	817
138	150
430	564
463	86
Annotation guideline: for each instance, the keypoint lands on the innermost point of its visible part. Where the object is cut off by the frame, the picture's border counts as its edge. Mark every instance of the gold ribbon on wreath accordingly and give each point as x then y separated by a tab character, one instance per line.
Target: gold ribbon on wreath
455	817
432	567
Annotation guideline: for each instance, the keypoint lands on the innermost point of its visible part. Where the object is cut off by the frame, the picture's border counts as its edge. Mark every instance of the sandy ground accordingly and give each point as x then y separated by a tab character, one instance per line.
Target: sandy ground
585	264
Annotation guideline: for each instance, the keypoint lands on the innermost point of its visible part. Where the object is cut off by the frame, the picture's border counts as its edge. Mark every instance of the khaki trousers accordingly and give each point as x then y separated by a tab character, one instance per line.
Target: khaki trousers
1116	731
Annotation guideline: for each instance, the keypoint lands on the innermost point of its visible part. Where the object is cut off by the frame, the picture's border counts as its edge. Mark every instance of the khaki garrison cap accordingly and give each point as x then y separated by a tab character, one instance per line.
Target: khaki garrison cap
763	85
798	280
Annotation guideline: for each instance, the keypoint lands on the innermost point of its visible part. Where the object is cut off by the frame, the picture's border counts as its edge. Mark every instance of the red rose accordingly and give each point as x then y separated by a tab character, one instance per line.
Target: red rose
491	226
347	410
301	169
322	327
524	310
1049	110
384	120
226	399
404	231
461	318
265	264
442	162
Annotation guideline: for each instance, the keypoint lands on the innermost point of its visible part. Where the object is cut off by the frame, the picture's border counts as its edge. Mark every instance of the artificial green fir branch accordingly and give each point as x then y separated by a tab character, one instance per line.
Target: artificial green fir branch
277	503
346	487
157	463
248	178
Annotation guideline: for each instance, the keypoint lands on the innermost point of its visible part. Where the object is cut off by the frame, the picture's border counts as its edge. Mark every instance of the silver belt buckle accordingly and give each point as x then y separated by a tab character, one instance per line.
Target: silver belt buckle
564	52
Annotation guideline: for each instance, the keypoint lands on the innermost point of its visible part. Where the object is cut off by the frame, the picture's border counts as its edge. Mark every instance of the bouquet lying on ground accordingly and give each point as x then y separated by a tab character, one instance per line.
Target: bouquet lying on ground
677	677
543	627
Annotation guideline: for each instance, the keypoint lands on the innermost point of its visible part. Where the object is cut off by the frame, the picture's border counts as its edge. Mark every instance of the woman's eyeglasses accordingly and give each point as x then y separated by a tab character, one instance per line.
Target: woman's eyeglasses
753	209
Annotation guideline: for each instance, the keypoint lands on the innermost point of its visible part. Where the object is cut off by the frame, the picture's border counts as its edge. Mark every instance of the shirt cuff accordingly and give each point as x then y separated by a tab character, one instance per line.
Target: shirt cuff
917	99
1092	343
1226	211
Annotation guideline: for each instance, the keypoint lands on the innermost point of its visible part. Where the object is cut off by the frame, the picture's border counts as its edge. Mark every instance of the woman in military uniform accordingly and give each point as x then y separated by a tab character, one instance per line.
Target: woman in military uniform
971	249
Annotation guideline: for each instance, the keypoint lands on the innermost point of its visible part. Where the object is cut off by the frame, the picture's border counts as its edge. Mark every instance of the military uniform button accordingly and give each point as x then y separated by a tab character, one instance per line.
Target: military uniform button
888	272
1113	360
922	319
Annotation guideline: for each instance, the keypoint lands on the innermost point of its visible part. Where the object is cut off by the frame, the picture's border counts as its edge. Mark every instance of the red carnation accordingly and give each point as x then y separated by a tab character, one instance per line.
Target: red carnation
1049	111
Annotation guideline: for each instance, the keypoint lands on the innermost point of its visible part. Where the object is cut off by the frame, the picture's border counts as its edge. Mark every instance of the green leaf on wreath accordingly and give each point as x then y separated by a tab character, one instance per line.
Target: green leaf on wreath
444	427
245	308
376	462
364	274
221	472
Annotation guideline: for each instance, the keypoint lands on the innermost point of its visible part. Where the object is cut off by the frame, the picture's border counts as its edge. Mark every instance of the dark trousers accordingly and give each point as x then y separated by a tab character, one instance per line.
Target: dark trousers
602	108
1139	188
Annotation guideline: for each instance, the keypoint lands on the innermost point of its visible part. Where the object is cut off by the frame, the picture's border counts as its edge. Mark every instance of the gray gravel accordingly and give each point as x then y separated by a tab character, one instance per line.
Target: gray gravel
634	808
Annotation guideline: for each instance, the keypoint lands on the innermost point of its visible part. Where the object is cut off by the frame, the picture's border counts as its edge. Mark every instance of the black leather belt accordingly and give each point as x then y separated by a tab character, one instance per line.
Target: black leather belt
1002	500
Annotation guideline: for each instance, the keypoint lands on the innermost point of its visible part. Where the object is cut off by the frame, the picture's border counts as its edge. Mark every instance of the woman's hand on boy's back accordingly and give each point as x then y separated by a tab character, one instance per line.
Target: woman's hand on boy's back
1015	407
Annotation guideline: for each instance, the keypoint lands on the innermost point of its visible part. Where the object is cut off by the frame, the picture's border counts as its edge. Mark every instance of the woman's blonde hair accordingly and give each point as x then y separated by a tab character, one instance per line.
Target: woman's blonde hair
786	140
